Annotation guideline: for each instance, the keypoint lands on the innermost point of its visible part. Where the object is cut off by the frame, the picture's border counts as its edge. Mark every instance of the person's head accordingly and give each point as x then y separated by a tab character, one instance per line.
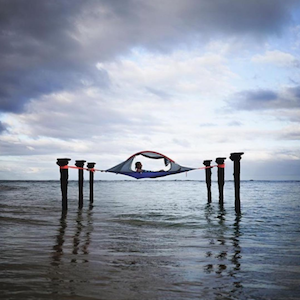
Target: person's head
138	165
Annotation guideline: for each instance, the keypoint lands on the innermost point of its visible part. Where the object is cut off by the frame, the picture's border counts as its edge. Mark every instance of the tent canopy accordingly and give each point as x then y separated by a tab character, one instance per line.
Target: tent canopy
125	167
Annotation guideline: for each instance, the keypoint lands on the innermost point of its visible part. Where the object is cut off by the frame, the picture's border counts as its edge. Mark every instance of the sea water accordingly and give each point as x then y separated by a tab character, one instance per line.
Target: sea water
149	240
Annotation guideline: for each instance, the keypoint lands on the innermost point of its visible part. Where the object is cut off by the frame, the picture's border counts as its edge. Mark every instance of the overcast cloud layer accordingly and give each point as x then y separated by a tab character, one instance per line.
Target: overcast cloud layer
101	80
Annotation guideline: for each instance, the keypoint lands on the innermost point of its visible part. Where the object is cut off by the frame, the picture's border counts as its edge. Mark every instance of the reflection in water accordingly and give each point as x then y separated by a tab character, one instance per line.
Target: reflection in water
221	256
71	247
78	239
237	251
58	247
87	238
81	237
236	244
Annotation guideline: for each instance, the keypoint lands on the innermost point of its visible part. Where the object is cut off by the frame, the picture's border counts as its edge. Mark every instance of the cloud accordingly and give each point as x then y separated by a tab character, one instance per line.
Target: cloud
39	53
277	58
208	125
132	105
168	77
290	133
182	142
254	99
235	123
53	46
69	116
11	146
2	127
296	40
127	117
159	93
273	169
17	90
291	115
285	98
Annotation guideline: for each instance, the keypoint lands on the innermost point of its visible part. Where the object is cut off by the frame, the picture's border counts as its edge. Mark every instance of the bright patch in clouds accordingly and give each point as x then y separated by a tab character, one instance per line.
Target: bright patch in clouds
277	58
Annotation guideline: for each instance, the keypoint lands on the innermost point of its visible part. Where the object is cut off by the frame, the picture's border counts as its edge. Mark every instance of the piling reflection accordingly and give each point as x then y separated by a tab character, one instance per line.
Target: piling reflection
236	244
70	249
223	256
81	240
77	236
60	239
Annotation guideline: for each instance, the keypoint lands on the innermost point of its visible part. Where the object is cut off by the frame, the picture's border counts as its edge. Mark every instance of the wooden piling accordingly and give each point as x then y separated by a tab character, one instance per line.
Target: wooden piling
64	176
221	180
236	157
80	164
91	165
208	179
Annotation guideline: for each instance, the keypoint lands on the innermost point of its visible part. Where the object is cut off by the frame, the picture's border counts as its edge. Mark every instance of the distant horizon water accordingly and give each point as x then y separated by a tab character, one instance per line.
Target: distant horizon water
155	179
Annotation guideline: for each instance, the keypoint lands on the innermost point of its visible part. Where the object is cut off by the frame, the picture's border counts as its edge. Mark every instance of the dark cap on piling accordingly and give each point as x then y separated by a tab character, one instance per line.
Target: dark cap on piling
207	163
79	163
91	165
236	156
62	161
220	160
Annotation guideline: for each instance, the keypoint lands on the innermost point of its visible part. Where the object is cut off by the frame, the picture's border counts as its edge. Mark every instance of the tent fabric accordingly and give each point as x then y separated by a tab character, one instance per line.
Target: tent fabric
125	167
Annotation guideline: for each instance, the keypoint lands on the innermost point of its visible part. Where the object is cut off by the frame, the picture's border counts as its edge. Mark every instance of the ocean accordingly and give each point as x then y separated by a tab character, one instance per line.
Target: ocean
144	240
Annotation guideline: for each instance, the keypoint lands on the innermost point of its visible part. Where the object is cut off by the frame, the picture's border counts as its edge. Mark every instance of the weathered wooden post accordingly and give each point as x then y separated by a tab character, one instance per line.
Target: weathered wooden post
236	157
64	175
208	179
91	167
221	168
80	164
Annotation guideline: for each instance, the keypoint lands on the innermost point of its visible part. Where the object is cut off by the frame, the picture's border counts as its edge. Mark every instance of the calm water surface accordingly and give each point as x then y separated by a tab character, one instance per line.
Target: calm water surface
149	240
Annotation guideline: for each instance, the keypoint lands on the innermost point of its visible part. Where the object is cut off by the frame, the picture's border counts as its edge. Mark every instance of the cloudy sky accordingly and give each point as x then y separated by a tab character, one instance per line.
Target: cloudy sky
193	79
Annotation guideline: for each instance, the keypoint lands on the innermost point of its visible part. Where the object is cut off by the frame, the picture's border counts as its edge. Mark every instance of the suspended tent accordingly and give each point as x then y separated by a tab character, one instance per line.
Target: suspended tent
125	167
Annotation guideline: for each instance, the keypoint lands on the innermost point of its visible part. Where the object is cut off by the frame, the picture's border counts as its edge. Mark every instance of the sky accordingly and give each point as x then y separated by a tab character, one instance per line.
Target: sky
194	80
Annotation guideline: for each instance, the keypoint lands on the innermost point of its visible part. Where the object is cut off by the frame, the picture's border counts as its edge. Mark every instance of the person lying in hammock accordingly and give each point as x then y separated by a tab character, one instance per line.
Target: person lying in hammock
139	166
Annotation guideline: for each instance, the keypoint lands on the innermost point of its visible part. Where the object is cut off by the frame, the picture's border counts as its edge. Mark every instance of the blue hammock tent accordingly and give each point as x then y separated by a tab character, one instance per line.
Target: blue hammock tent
125	168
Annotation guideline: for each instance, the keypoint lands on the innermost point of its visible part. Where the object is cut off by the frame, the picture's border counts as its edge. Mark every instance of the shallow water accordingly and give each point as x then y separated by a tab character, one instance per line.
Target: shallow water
150	240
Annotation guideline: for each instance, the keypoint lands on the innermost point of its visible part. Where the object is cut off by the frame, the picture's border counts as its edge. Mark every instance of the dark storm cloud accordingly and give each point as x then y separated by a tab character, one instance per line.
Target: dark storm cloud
288	98
49	46
240	17
19	86
39	54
